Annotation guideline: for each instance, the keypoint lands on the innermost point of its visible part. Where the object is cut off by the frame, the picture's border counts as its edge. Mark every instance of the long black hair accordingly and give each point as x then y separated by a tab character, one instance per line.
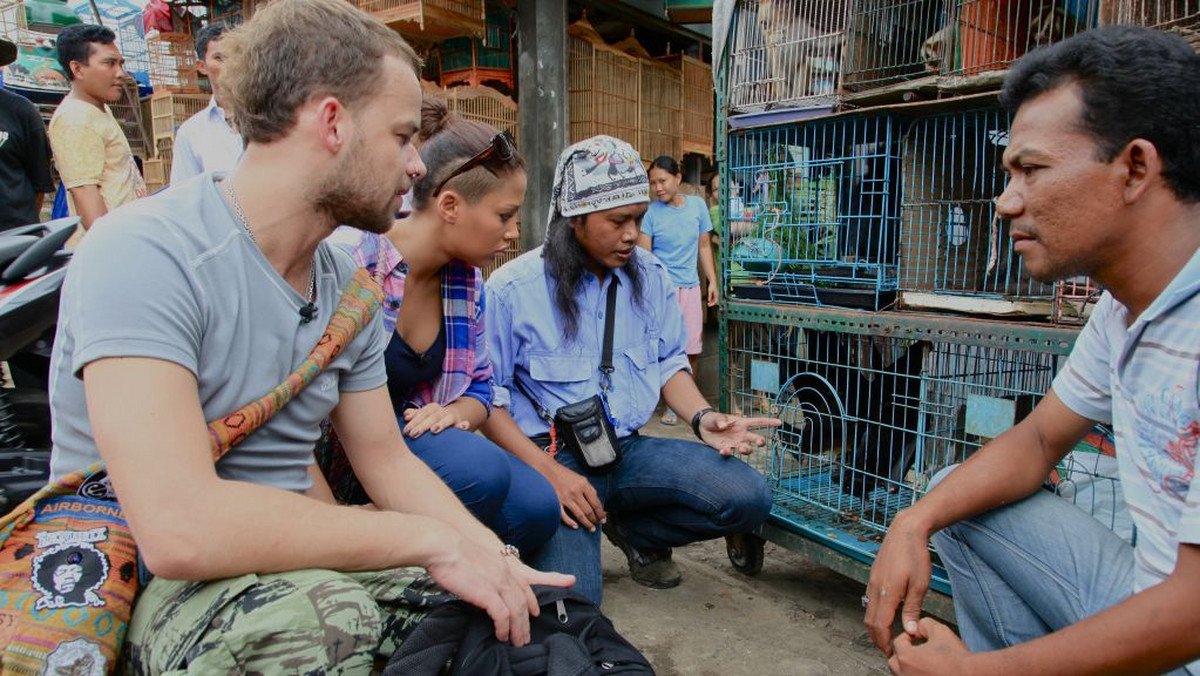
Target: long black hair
566	261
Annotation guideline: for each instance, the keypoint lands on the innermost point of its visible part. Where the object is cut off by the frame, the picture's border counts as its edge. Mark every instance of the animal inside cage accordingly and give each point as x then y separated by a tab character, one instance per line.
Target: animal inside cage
602	87
1173	16
698	104
824	200
890	41
953	244
1074	299
168	110
660	128
164	150
786	53
172	59
874	405
988	35
486	105
428	19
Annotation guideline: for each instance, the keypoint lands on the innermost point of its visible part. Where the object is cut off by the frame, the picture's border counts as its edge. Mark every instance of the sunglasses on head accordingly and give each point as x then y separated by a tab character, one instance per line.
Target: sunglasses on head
501	149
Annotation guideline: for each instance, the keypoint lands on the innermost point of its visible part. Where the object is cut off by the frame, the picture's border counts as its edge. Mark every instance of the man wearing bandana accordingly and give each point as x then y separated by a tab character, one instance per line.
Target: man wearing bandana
546	328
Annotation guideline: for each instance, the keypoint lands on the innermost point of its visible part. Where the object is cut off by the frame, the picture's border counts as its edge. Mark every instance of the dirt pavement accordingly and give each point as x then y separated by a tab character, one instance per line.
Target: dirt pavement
795	618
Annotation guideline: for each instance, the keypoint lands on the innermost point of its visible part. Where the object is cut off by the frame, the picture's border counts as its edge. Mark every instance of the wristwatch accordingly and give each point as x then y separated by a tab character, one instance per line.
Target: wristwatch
696	421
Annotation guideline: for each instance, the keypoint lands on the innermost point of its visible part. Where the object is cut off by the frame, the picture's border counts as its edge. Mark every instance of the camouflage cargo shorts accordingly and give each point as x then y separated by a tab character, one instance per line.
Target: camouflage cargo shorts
299	622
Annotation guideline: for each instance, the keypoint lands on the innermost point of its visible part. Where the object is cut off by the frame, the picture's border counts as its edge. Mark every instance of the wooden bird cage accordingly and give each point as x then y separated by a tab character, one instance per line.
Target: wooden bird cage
173	63
164	149
660	128
128	113
156	173
428	19
1173	16
168	110
473	61
13	23
486	105
602	87
699	103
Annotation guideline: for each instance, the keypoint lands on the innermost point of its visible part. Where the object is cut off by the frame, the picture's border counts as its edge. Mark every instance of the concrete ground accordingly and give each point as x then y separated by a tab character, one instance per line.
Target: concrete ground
795	618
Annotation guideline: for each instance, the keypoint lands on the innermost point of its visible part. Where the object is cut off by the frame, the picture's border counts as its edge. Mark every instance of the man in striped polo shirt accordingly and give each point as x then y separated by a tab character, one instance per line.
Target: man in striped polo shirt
1104	180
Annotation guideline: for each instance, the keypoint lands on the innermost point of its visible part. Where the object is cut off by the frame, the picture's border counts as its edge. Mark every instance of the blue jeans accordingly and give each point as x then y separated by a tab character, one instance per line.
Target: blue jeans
508	496
666	493
1030	568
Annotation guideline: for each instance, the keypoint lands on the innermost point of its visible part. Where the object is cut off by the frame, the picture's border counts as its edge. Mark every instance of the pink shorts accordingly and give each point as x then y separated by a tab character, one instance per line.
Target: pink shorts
693	317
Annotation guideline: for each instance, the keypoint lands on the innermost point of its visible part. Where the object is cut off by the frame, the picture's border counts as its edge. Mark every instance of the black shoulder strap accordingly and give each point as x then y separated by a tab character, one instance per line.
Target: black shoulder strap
610	316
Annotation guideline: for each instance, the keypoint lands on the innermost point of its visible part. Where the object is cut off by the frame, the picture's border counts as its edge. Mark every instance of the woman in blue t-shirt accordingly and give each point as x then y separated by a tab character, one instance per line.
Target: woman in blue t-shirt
677	230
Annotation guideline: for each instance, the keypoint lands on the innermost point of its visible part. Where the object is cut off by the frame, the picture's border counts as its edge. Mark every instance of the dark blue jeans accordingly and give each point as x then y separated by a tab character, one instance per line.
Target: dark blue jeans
507	495
666	493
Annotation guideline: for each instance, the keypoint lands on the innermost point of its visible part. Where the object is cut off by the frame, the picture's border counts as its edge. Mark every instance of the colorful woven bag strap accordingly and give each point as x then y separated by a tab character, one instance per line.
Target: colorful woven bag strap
360	300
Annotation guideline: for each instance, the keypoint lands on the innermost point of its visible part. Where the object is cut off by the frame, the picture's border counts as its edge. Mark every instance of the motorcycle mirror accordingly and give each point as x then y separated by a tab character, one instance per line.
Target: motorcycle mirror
39	253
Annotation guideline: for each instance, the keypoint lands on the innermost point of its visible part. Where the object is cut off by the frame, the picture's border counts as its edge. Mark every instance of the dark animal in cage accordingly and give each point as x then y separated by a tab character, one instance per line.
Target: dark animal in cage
889	406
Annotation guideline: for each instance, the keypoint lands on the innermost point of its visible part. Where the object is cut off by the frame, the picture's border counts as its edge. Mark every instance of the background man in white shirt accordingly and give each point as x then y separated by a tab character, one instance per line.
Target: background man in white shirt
206	141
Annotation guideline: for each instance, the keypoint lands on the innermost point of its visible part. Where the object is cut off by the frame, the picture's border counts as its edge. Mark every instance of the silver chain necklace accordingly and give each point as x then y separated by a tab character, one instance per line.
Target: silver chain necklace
309	297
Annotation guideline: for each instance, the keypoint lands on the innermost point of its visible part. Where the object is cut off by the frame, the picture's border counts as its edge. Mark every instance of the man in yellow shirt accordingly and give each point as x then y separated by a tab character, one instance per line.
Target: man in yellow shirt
90	149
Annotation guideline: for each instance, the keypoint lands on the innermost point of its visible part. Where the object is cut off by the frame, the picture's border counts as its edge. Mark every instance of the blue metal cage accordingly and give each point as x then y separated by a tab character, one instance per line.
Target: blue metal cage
952	241
875	404
818	208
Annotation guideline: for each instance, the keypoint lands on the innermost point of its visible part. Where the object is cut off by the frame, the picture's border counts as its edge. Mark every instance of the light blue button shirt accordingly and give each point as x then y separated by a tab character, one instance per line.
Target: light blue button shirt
526	339
205	142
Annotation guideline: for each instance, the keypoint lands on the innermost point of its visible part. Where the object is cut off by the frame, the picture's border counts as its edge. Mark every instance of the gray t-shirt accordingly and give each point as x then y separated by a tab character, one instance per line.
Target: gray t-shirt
175	277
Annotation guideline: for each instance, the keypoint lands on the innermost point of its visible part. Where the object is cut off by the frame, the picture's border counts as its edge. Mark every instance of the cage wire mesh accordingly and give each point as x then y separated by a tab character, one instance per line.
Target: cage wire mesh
660	128
172	58
1173	16
952	241
890	41
988	35
486	105
13	24
823	197
1074	299
169	110
872	409
698	104
786	53
133	45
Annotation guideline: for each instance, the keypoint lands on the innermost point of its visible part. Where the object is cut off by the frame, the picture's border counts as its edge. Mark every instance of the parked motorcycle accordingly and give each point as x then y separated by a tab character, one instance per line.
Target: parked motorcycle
33	266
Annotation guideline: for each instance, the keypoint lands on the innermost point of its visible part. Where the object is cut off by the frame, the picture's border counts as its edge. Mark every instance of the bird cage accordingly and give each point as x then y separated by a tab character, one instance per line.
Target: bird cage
228	12
428	19
890	41
173	63
472	60
955	251
1074	299
485	105
128	112
14	26
698	103
513	250
133	47
987	35
875	404
168	110
824	200
156	174
786	53
1173	16
164	150
602	87
660	131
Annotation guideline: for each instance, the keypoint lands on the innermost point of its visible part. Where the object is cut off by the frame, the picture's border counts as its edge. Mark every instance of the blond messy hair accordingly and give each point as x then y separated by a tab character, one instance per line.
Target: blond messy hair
293	51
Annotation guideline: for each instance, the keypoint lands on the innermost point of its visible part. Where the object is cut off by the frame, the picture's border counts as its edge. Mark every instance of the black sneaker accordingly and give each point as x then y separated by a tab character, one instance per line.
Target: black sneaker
653	569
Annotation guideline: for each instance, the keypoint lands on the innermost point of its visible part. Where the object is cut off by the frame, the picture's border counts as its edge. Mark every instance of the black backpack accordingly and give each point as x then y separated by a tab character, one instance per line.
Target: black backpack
571	637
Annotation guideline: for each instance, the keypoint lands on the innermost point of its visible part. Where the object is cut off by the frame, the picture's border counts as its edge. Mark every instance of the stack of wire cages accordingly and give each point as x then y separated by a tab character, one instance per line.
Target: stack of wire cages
874	405
988	35
823	200
133	48
955	251
1173	16
786	54
14	26
892	41
172	59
